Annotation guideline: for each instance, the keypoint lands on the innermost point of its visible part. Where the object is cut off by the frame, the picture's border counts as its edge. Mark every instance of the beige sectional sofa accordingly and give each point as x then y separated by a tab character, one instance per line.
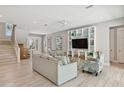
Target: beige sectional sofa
54	71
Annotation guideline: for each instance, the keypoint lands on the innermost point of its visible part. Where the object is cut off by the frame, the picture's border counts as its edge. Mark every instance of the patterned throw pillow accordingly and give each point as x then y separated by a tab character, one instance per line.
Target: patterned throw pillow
65	60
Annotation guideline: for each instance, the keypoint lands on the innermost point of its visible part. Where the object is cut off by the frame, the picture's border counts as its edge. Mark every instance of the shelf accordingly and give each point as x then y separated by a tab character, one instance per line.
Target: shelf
87	32
91	38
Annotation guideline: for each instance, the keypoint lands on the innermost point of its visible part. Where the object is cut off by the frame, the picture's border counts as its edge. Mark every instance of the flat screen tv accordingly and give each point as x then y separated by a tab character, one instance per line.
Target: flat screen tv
80	43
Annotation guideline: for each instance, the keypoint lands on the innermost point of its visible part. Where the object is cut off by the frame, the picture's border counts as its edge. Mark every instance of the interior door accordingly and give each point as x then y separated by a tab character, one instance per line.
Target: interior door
120	45
36	45
112	45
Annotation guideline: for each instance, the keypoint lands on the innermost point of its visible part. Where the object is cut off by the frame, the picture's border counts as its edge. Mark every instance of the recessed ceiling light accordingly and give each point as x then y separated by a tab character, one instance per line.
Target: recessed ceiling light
101	17
63	22
34	22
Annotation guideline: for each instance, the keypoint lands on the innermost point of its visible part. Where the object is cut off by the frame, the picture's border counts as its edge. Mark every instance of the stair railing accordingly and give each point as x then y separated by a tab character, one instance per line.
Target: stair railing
15	43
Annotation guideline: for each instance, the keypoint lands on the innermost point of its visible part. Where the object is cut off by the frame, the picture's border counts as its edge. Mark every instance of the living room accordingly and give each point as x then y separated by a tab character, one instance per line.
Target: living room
63	45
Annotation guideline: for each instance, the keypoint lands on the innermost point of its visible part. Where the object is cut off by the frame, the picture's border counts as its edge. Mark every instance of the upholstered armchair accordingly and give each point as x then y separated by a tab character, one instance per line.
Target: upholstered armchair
94	65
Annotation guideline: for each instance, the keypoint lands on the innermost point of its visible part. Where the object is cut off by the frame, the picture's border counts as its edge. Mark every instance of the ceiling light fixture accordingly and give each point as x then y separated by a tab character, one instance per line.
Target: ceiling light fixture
63	22
89	6
45	24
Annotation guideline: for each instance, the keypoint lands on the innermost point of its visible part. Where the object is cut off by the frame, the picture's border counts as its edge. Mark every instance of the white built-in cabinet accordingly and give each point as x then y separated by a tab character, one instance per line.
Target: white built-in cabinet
86	32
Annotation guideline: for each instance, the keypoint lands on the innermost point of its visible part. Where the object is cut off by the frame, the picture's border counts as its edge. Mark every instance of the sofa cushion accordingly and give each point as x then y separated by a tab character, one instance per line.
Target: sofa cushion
60	62
65	60
49	57
91	59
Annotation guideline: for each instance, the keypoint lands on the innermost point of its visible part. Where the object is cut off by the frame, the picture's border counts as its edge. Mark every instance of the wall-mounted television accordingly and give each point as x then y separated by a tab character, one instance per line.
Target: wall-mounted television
80	43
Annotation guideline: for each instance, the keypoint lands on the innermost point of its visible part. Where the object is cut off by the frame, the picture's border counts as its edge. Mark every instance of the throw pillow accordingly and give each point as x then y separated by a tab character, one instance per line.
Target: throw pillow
60	63
68	60
52	58
64	60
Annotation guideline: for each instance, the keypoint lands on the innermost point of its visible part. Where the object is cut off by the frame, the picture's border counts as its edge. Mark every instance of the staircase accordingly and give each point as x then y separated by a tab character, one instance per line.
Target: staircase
7	53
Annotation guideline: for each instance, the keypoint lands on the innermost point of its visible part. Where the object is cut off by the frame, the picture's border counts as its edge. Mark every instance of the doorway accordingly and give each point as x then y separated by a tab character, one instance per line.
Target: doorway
36	45
117	44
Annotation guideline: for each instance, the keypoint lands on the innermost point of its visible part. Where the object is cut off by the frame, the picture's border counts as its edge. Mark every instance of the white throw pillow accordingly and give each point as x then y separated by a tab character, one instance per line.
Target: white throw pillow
60	63
52	58
68	60
64	60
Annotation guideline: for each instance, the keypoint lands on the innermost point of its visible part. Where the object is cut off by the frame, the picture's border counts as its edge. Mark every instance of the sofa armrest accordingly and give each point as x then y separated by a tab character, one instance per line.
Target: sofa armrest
67	72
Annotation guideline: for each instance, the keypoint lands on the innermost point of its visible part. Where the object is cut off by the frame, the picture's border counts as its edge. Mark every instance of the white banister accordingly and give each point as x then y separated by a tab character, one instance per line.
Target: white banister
16	46
17	50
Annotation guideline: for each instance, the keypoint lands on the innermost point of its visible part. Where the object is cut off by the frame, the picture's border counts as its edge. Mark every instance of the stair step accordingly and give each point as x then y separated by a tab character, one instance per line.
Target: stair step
7	57
7	63
5	42
7	54
1	49
6	48
8	60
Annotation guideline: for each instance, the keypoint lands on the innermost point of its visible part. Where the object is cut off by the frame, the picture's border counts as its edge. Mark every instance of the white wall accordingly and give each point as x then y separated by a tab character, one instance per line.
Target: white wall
21	36
102	36
64	36
2	30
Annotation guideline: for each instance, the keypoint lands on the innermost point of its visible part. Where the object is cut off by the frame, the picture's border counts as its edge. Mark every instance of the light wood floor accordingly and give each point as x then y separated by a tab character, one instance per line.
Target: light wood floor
21	75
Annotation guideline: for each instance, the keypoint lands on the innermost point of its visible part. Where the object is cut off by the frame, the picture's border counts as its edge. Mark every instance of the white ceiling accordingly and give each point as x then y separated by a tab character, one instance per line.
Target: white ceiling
57	18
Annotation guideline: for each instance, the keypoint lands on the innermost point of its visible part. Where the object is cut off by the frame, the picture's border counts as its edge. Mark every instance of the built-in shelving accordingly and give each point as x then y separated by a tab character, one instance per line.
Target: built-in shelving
87	32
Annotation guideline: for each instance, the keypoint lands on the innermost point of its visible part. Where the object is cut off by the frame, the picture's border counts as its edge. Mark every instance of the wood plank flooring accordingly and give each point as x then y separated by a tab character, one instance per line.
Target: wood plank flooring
22	75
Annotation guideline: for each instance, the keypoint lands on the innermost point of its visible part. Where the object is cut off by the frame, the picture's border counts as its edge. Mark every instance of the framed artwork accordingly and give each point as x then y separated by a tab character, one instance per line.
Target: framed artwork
9	28
58	43
73	33
79	32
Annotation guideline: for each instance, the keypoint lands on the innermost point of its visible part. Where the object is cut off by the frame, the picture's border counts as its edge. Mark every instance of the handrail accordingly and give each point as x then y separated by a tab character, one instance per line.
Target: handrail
16	46
17	51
